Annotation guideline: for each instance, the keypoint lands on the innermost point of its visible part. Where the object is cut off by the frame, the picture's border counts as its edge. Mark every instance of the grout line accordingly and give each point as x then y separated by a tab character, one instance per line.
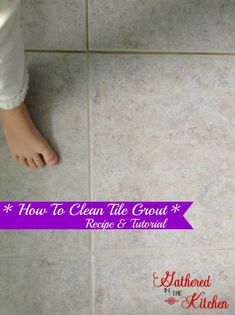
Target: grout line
47	254
87	27
89	104
89	140
153	251
128	52
67	51
143	52
125	252
90	152
92	290
89	109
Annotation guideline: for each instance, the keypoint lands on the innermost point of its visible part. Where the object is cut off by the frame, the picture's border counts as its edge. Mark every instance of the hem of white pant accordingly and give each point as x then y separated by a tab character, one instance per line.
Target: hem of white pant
18	99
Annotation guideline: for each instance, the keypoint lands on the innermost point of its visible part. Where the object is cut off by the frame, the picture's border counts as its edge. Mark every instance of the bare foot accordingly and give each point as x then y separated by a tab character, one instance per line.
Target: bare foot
26	144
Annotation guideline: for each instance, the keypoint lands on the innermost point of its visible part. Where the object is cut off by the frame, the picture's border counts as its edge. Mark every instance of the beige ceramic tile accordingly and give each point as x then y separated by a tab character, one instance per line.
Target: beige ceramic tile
45	285
54	24
27	242
163	129
124	283
182	25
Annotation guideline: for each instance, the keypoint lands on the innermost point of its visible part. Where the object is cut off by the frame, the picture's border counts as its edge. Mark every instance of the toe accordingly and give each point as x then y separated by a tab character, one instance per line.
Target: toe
23	161
38	161
49	156
31	163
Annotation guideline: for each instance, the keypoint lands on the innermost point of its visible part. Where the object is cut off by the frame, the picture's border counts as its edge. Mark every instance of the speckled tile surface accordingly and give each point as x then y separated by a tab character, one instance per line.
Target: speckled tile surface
163	129
57	101
39	242
124	283
54	24
44	285
182	25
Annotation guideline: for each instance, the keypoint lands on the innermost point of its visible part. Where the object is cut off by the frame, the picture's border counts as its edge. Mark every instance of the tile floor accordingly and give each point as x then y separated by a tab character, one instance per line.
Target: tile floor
154	121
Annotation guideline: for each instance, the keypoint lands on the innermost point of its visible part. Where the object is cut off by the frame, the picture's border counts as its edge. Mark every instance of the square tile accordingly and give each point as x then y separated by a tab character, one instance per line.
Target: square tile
54	24
46	285
57	101
37	242
195	25
124	283
163	129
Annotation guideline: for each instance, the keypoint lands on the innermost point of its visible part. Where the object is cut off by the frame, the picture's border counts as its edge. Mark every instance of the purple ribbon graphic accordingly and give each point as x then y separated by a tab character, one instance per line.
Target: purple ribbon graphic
119	215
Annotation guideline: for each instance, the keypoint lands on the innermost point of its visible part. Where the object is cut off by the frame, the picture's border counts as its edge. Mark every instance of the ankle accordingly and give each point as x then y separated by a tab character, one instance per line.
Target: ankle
8	112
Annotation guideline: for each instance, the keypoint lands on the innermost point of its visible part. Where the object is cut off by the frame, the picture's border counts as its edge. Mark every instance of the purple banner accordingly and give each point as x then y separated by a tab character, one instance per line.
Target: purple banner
119	215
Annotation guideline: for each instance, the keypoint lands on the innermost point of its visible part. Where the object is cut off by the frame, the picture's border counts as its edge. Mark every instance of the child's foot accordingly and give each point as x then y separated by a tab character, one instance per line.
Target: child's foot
27	145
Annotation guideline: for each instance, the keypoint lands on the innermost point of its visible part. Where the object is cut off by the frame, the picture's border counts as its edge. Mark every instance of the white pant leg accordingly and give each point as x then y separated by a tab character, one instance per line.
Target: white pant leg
13	74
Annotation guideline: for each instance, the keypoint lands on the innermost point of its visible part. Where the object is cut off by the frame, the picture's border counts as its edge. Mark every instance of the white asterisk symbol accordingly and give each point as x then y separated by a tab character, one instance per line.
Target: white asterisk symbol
7	208
176	208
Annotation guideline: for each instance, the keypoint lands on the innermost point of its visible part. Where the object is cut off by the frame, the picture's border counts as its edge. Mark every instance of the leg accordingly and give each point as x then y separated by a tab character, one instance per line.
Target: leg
26	144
